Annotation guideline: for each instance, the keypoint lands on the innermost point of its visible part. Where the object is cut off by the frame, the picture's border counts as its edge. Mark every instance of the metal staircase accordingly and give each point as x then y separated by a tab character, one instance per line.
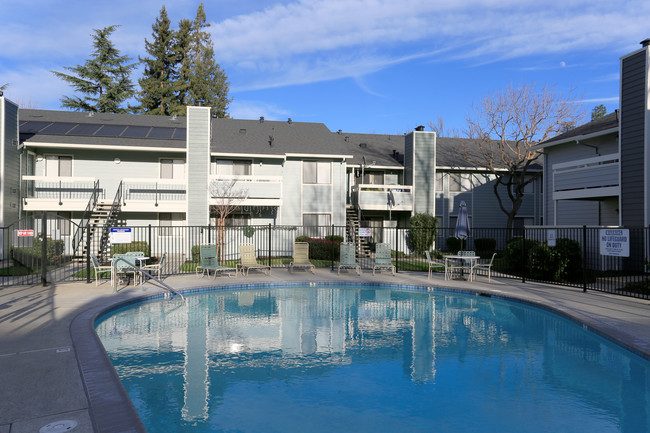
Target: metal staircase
353	223
100	217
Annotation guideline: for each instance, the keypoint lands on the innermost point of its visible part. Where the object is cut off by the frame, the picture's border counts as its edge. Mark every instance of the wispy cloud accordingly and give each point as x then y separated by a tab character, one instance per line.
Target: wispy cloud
606	99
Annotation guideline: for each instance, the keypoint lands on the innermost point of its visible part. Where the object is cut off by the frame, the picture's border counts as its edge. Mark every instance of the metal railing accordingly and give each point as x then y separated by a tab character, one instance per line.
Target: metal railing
85	218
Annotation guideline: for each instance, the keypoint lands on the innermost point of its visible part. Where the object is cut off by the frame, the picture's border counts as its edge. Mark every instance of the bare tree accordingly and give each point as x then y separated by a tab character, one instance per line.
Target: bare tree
227	197
439	128
505	126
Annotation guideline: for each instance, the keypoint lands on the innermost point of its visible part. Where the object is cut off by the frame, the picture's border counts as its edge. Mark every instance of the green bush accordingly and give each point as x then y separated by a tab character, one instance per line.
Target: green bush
422	233
562	262
321	249
133	246
302	238
334	238
453	244
485	247
30	255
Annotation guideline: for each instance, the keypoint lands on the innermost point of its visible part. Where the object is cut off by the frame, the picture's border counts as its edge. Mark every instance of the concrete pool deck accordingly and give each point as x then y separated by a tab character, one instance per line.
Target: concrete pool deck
52	367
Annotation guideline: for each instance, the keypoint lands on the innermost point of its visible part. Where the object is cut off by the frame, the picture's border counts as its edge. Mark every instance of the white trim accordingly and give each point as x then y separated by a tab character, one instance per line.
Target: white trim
580	163
3	146
576	138
312	155
379	167
247	155
609	191
61	178
103	147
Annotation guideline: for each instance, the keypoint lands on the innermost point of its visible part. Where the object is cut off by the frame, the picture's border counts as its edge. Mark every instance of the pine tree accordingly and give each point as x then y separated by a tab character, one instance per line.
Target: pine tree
104	79
208	83
156	85
181	81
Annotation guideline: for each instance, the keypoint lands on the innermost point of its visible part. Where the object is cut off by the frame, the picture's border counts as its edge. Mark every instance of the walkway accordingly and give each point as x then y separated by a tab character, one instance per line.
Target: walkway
52	368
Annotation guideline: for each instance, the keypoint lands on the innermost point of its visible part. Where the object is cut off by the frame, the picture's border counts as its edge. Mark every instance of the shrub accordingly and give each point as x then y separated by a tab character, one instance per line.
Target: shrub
334	238
423	232
453	244
133	246
485	247
321	249
563	262
302	238
30	255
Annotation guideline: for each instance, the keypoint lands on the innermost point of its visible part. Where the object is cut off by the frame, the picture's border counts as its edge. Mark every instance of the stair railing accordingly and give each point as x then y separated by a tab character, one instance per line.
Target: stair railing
85	218
108	224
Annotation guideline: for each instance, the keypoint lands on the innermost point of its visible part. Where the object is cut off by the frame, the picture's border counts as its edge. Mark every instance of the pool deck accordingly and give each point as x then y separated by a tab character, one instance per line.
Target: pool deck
52	367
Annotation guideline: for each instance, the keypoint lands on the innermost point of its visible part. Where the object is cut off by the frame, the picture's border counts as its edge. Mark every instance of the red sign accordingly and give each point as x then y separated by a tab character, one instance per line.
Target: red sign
25	233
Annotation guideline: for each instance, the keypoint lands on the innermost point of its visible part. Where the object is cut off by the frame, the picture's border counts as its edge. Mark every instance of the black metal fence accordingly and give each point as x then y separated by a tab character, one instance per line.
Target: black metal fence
39	250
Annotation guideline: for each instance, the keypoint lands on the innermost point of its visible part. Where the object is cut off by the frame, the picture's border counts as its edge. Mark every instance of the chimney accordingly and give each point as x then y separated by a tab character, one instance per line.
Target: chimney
339	131
645	42
419	128
261	119
363	145
289	121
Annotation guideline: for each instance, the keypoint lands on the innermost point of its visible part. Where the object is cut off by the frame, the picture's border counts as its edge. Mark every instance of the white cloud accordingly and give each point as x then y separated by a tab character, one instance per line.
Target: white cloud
242	109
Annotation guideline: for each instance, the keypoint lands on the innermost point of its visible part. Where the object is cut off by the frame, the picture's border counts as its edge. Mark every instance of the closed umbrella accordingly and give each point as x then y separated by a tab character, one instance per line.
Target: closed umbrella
462	224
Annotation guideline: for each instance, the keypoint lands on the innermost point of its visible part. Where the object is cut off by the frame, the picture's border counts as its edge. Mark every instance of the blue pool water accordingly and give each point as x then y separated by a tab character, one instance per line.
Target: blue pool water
369	359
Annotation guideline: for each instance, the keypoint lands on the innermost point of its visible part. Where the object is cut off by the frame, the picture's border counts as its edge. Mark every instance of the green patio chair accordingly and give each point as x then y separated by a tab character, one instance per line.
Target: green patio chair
348	258
383	259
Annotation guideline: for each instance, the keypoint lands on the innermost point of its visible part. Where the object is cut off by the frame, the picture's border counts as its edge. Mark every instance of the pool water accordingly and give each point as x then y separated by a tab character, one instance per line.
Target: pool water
369	359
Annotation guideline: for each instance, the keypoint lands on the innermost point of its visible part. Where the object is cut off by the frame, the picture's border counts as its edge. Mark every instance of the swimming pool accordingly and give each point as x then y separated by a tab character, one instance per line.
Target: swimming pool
365	358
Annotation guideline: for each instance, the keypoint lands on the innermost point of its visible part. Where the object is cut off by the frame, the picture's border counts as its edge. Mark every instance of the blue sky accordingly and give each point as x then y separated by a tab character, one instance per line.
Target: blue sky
367	66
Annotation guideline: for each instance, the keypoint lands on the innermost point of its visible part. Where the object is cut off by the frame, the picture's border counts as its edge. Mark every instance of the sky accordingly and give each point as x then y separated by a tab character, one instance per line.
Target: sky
365	66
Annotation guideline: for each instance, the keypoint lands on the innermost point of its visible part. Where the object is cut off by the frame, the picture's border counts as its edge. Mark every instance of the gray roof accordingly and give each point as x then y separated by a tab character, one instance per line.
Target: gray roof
604	125
268	137
127	130
378	149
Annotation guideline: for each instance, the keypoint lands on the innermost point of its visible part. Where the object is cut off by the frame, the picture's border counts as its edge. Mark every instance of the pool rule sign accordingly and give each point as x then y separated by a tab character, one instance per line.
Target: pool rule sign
121	235
615	242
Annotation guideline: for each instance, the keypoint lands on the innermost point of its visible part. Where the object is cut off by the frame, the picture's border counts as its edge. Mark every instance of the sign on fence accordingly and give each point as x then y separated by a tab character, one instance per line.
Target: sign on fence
615	242
121	235
365	232
21	233
551	236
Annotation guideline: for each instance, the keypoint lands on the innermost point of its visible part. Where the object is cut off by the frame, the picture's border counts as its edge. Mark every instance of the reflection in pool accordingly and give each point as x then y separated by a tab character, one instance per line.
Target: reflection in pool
355	358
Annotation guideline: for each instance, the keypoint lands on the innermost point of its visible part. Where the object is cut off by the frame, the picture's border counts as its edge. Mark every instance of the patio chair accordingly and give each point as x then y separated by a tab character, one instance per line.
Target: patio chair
124	265
383	259
460	265
100	270
209	262
348	258
434	263
301	257
487	266
249	261
157	268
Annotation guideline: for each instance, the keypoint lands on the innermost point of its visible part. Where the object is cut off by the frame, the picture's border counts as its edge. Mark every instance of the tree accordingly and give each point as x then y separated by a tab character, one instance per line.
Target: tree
227	198
181	81
208	83
423	232
439	128
505	126
156	94
103	79
598	112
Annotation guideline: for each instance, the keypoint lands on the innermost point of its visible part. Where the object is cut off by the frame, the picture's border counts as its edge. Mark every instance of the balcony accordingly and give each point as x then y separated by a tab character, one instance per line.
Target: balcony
246	190
48	193
153	195
587	178
383	197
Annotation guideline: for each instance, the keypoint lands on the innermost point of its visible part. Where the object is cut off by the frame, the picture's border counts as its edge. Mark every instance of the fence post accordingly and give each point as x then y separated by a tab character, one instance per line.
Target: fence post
209	232
332	246
44	249
88	252
269	244
524	259
149	254
396	248
584	258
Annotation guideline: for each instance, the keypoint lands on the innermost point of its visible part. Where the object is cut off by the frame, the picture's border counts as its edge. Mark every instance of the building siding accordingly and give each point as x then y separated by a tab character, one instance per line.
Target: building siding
423	171
11	180
198	165
632	127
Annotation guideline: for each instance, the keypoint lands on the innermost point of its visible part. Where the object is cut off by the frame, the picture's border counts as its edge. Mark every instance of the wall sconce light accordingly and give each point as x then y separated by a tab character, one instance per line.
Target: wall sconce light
39	158
116	160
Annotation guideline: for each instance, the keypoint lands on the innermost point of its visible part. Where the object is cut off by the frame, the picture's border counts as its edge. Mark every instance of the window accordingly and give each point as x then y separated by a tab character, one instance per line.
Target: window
439	185
238	220
58	166
167	221
236	168
374	178
454	182
314	223
172	169
316	172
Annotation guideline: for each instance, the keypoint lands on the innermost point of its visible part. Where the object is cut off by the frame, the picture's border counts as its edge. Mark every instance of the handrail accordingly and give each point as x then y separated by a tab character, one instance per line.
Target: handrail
117	201
142	271
92	202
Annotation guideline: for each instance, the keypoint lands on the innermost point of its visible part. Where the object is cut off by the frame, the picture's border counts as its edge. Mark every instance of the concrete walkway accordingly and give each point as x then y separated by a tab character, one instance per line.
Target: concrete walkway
53	368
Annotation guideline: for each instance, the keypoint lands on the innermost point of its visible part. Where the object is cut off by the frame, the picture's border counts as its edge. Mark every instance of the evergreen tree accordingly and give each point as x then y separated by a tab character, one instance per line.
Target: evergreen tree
208	82
104	79
598	112
181	80
156	85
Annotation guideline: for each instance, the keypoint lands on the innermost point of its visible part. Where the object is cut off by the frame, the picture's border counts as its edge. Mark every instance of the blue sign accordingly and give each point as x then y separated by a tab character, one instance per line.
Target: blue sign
121	235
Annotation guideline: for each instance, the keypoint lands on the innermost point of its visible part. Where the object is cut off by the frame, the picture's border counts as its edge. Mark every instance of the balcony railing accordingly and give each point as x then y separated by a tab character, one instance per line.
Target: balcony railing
153	190
383	197
590	177
251	190
39	191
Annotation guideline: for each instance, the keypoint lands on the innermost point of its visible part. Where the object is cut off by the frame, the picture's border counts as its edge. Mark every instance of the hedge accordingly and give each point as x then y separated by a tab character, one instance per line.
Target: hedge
562	262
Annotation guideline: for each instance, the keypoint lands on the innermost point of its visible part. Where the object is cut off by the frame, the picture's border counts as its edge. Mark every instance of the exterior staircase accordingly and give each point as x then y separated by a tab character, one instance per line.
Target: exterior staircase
102	218
362	244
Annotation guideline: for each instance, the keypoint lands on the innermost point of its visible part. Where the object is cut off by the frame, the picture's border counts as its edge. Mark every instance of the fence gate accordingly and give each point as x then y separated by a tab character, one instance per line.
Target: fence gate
38	249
